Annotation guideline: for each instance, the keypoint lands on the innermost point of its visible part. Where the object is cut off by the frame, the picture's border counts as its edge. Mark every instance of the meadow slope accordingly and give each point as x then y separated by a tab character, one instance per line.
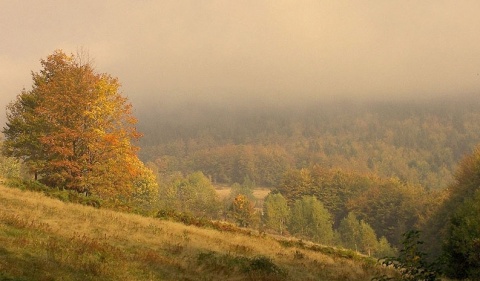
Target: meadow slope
46	239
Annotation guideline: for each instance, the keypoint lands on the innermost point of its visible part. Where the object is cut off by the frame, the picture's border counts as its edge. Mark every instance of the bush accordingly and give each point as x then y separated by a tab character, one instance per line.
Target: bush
263	264
411	263
257	268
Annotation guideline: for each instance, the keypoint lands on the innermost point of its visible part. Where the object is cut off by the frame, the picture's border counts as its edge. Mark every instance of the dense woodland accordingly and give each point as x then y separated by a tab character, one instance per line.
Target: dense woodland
418	142
359	175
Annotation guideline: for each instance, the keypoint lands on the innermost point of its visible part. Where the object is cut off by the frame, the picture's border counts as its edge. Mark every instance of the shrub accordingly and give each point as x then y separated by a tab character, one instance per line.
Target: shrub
411	263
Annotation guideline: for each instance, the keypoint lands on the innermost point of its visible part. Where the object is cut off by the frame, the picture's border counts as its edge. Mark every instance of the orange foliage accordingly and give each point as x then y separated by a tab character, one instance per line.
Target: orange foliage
85	128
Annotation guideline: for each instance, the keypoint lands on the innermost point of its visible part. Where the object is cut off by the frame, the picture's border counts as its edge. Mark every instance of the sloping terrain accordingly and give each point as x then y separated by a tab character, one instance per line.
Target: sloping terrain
45	239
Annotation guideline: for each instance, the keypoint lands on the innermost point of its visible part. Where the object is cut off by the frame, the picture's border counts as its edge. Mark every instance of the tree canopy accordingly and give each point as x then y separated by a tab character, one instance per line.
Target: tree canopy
310	219
74	130
419	142
276	212
461	232
389	206
192	194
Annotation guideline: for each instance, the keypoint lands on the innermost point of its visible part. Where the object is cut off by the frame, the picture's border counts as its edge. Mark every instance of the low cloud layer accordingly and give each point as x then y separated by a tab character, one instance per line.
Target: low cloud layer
268	50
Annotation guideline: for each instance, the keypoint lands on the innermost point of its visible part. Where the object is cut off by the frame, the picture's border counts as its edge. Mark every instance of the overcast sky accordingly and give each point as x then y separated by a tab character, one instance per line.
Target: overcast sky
274	50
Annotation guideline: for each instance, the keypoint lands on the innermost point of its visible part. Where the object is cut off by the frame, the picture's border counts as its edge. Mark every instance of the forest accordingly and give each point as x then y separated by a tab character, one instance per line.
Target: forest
416	141
367	171
366	175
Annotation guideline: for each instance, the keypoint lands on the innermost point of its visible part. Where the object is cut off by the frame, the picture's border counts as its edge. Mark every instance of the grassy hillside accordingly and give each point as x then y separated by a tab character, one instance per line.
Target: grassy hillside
45	239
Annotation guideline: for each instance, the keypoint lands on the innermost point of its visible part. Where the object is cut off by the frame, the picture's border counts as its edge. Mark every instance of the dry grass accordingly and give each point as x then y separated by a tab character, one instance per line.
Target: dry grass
45	239
223	192
259	193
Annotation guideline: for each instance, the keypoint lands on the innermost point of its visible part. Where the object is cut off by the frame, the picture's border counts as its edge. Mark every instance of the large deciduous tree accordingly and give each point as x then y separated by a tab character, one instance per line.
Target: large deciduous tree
74	130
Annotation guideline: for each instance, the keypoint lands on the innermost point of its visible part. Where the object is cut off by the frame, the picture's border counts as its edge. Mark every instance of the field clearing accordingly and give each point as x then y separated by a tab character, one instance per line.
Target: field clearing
46	239
260	193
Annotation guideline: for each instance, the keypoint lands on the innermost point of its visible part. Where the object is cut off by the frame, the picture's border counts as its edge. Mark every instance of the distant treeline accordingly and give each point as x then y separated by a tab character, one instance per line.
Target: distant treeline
419	142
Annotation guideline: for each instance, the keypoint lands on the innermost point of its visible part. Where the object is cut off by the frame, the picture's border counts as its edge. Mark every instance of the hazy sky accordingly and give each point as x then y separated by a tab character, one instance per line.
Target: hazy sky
277	50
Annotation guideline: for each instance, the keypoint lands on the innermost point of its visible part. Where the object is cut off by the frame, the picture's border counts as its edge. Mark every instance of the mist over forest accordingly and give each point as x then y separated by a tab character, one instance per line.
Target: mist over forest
419	140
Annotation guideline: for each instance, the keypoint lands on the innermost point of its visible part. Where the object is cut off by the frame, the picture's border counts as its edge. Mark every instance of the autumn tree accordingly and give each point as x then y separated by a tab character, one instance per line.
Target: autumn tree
246	189
74	130
296	184
241	211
